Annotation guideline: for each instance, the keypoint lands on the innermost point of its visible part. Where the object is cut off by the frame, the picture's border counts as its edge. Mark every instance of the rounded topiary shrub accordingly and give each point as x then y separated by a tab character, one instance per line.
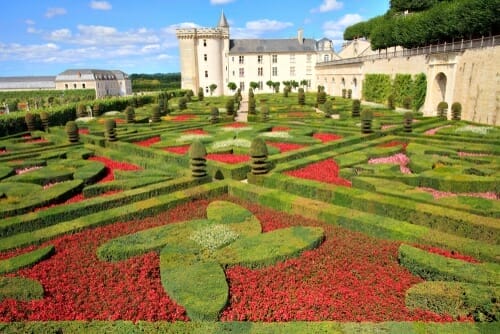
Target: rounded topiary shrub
456	111
251	105
321	98
230	107
356	108
201	96
366	121
29	118
286	90
97	109
156	115
301	97
344	93
214	115
258	154
442	110
407	121
328	108
130	114
72	132
110	129
44	117
265	113
349	93
183	103
198	162
81	110
189	95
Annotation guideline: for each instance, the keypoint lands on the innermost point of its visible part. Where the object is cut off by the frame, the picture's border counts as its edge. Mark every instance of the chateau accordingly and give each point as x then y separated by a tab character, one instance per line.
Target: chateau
208	56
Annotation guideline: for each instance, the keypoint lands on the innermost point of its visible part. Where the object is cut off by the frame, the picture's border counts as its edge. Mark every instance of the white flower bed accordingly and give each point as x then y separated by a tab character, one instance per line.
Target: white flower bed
480	130
276	134
214	236
235	129
223	144
191	137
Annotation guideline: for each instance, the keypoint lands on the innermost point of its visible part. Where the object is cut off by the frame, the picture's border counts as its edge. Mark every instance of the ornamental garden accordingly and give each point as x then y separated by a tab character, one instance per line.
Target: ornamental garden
161	213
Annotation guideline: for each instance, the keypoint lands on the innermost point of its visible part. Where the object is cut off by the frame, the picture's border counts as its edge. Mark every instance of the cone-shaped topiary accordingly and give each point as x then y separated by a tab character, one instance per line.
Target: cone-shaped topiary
265	113
251	105
29	118
366	121
258	154
183	103
301	97
72	132
356	108
349	93
44	117
344	93
197	154
456	111
201	96
230	107
130	114
214	115
110	129
250	92
442	109
407	121
156	116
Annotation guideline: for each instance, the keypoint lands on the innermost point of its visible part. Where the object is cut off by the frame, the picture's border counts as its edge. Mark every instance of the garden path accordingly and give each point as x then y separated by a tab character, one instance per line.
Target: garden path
242	113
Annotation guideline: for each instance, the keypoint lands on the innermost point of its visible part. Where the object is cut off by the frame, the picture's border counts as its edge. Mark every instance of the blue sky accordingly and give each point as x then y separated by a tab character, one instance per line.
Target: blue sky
50	36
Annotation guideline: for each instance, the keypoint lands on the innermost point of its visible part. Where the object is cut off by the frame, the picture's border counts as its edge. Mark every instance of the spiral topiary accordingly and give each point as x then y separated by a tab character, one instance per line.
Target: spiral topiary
214	115
183	103
198	162
321	97
456	111
44	117
130	114
344	93
72	132
366	121
201	96
265	113
81	110
156	115
301	97
356	108
110	129
29	118
96	109
442	109
407	121
349	93
230	107
258	154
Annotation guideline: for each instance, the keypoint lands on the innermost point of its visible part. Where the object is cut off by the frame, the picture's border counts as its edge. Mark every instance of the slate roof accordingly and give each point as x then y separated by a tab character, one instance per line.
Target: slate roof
27	82
271	45
90	74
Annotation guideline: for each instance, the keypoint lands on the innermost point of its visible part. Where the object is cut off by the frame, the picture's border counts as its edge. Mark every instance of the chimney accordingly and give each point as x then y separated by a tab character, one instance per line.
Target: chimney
300	36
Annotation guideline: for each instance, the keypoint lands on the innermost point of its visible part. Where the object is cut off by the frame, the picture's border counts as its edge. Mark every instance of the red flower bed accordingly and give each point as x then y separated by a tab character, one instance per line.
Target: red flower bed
183	149
323	171
280	128
394	143
180	118
326	137
36	140
3	151
112	165
228	158
83	131
350	277
285	147
195	132
236	125
148	142
450	254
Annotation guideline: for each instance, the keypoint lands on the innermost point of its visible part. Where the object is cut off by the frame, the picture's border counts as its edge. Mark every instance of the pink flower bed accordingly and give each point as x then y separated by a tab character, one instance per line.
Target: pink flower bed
148	142
432	132
387	126
472	154
27	170
326	137
285	147
236	125
323	171
183	149
437	194
195	132
400	159
228	158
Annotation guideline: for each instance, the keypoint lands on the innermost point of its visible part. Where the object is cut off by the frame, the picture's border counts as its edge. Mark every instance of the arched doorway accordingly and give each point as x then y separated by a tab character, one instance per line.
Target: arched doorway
355	94
438	89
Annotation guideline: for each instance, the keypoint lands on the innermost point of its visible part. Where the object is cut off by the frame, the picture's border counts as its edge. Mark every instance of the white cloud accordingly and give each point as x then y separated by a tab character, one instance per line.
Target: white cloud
328	6
220	2
100	5
29	22
267	25
51	12
335	29
60	35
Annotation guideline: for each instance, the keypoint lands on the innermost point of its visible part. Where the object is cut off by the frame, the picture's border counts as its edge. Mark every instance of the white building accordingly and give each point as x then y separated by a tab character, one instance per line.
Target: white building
104	82
208	56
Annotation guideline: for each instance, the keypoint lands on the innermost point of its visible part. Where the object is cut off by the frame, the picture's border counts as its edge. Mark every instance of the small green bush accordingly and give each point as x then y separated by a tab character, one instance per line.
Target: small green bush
183	103
408	121
110	129
130	114
72	132
356	107
258	154
214	115
456	111
301	97
30	121
156	116
197	154
201	96
366	121
442	109
230	107
44	117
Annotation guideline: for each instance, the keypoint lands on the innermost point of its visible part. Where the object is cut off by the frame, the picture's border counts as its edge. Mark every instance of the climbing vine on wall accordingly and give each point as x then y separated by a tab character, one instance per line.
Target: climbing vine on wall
377	87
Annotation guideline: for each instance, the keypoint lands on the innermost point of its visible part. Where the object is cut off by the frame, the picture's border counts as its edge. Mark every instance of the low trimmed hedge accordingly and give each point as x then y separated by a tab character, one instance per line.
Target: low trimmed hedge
439	268
26	260
457	299
20	288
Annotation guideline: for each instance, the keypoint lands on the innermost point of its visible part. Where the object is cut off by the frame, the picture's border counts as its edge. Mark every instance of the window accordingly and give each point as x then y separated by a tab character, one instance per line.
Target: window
206	74
233	73
308	58
261	85
326	58
83	85
205	57
308	70
241	59
242	72
74	85
292	71
242	85
65	86
207	90
275	59
232	59
292	59
275	71
204	42
260	71
259	59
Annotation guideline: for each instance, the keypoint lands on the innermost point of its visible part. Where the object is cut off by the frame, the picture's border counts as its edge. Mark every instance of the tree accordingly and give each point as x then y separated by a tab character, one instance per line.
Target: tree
232	86
295	84
270	84
212	87
254	85
276	86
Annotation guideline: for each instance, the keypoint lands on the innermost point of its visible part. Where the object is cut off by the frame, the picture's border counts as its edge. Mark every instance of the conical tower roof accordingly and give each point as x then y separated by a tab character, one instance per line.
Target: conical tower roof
222	21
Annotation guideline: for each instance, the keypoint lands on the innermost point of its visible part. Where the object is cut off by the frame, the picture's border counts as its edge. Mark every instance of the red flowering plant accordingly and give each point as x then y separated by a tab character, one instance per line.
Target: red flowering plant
228	158
326	137
285	147
182	149
323	171
182	118
195	132
148	142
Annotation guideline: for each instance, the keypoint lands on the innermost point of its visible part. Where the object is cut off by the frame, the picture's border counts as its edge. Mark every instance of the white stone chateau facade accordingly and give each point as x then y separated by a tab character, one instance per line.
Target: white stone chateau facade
208	56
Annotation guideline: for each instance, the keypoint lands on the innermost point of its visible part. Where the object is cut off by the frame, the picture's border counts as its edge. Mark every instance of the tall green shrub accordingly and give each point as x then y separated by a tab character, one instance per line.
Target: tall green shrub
44	117
401	88
200	94
301	97
30	121
377	87
198	162
156	116
356	108
130	114
110	129
183	103
442	109
407	121
214	115
419	90
230	107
